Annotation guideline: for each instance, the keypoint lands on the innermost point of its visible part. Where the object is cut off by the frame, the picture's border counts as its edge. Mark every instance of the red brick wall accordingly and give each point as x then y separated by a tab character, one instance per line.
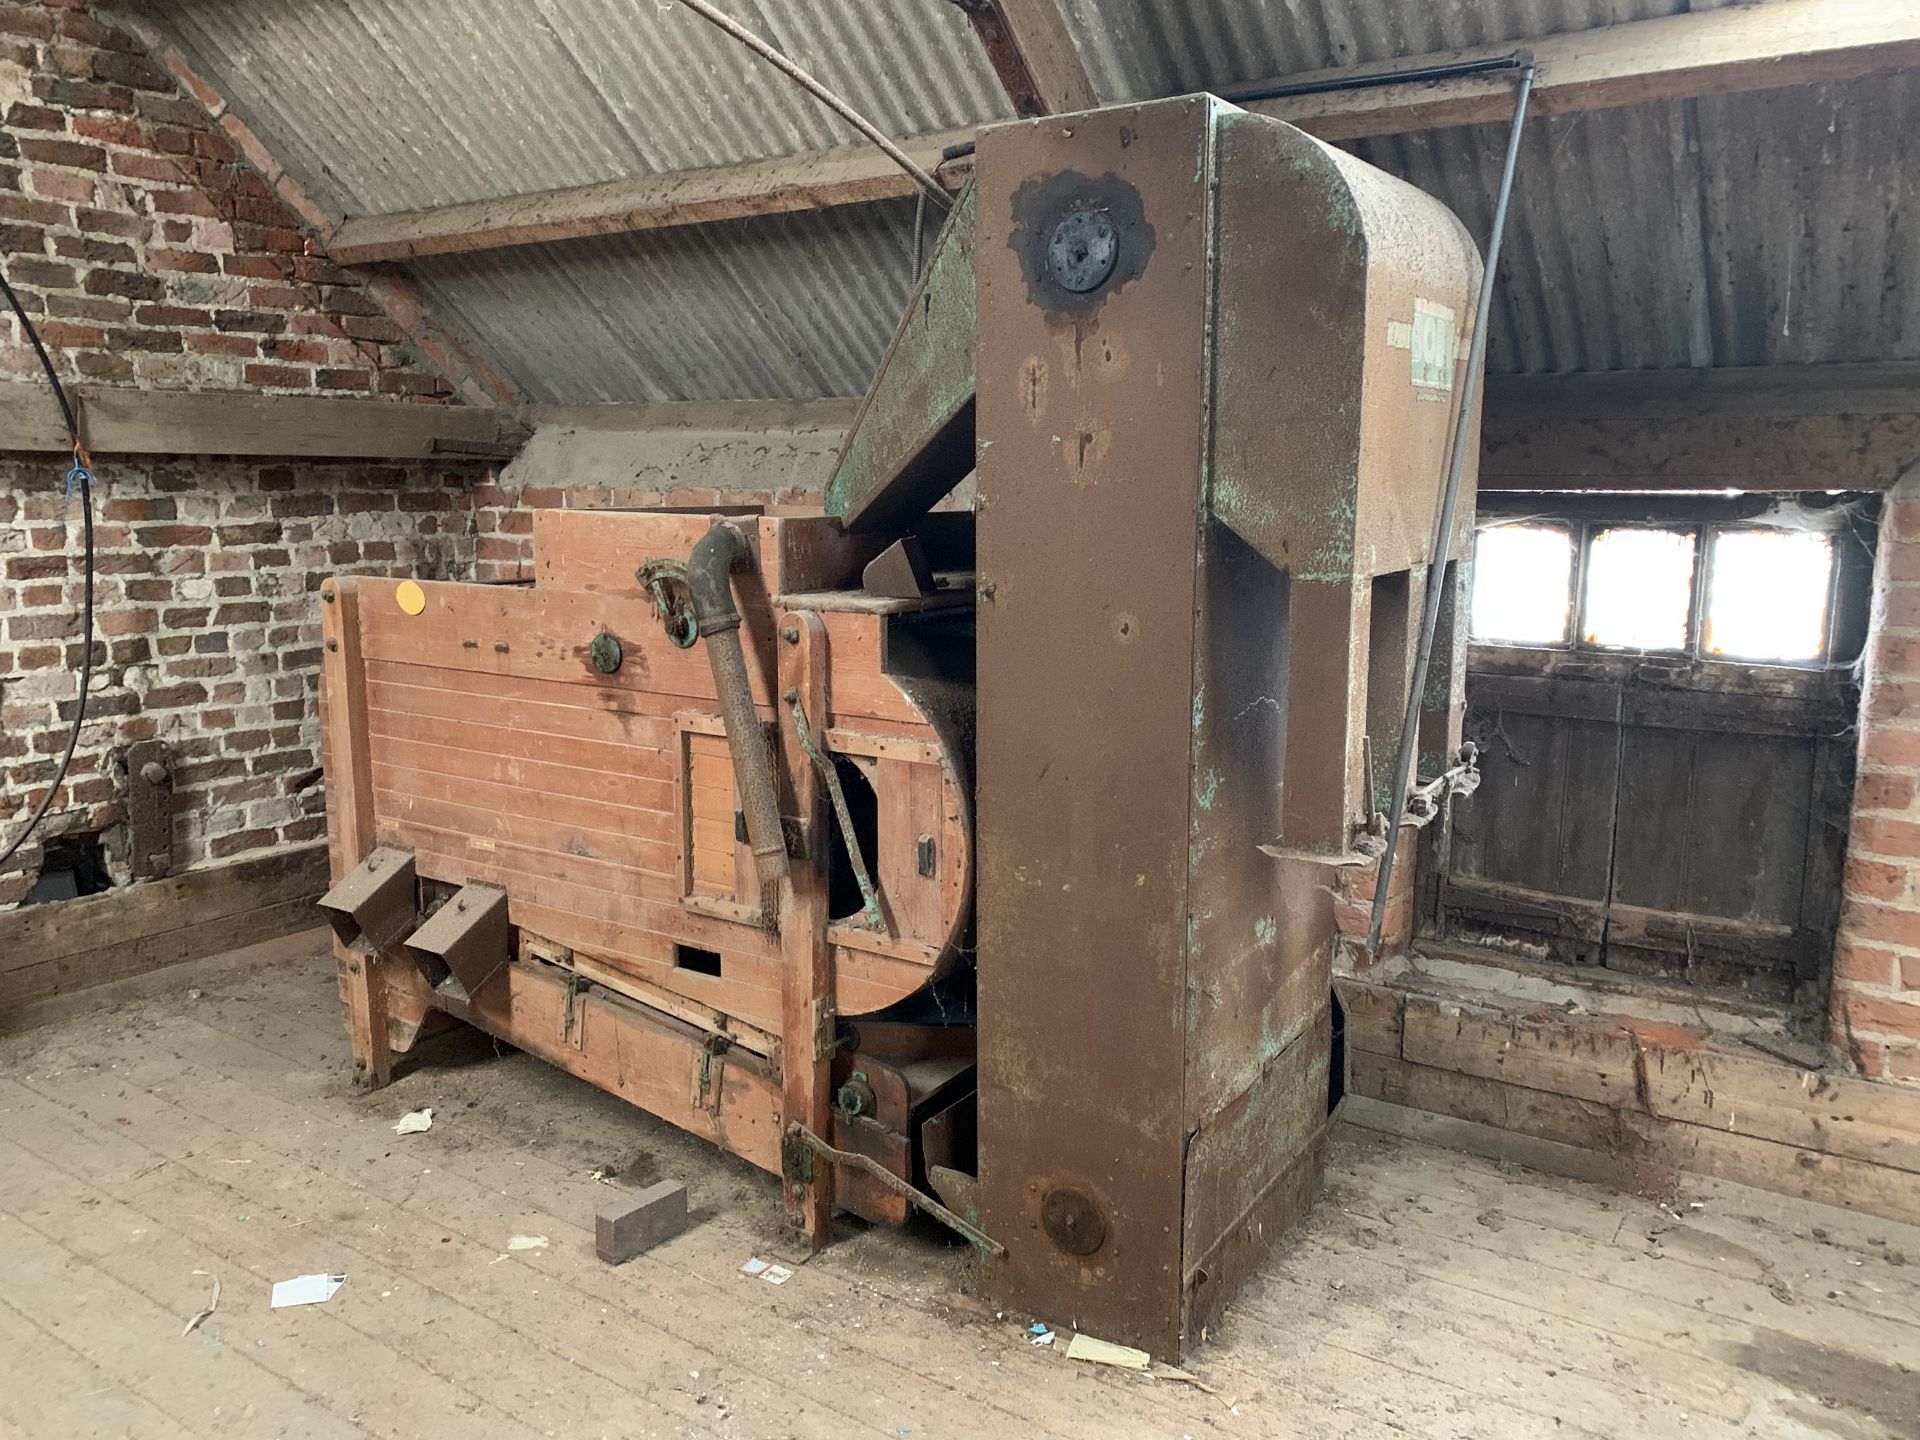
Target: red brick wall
207	634
1876	964
1353	892
149	252
153	253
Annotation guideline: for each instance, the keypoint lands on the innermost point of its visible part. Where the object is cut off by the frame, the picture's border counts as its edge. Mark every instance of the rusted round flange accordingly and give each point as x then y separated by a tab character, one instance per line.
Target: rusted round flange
604	651
1082	250
1073	1221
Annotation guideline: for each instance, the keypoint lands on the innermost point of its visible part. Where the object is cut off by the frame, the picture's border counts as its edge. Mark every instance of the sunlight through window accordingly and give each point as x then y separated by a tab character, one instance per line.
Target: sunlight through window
1522	584
1639	589
1768	599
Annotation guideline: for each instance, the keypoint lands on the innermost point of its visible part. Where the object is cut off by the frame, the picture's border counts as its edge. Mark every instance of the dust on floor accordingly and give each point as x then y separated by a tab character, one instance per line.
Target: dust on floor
201	1125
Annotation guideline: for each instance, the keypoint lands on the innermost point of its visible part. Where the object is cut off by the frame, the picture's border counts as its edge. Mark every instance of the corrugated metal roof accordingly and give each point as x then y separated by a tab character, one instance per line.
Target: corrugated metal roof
1739	230
381	105
781	307
1138	48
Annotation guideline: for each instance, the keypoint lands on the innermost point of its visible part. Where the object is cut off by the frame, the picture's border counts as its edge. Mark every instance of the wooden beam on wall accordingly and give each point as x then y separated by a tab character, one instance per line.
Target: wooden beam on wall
1713	52
1032	51
1674	57
1712	452
72	944
118	421
1881	388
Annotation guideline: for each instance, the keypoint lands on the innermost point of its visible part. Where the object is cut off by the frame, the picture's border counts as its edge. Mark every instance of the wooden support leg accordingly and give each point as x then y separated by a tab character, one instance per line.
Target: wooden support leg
362	977
807	1010
350	829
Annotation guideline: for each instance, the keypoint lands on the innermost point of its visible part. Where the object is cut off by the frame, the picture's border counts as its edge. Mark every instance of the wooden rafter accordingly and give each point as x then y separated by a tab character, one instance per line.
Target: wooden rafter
119	421
1032	52
1713	52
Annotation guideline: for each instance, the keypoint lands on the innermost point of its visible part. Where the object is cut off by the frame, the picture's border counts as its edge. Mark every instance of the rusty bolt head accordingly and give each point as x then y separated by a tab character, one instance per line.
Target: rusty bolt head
1073	1220
353	967
326	594
791	634
332	644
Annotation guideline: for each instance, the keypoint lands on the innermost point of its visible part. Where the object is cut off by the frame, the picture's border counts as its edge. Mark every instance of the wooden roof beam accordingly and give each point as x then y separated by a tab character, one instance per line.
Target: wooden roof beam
118	421
1712	52
1032	52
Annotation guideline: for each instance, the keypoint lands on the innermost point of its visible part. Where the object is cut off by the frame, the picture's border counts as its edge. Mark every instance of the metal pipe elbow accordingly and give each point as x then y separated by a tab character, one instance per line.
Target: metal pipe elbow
716	555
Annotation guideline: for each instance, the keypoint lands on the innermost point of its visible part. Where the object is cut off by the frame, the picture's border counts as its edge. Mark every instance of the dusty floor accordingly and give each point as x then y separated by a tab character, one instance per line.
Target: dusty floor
199	1125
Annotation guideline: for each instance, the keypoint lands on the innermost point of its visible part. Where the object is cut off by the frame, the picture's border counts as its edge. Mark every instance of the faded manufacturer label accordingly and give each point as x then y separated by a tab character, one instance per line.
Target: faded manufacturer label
1433	340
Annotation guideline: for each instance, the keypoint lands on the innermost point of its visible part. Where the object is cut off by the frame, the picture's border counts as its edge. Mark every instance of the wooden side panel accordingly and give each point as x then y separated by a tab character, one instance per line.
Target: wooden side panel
496	752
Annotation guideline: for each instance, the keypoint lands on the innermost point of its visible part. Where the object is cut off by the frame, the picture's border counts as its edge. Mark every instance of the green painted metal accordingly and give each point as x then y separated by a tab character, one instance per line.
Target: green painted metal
912	441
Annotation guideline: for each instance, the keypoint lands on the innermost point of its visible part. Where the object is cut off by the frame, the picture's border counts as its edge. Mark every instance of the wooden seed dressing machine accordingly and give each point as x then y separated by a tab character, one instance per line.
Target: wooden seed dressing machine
906	852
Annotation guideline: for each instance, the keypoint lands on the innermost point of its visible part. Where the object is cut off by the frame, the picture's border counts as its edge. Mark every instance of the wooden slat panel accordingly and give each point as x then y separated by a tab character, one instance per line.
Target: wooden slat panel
1747	832
529	716
563	845
565	783
586	813
601	756
1650	864
546	634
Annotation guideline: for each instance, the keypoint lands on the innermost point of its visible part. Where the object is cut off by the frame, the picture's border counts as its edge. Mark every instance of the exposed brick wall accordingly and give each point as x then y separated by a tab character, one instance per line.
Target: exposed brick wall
147	248
207	634
157	248
1353	892
1875	1009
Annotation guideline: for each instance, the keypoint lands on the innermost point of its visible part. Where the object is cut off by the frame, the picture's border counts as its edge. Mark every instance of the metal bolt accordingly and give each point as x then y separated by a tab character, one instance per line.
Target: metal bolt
353	967
332	644
791	634
500	647
327	595
792	695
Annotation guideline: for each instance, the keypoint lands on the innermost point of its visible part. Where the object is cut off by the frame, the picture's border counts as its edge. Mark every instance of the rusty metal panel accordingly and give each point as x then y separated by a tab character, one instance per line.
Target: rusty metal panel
1216	368
376	902
1092	425
465	942
912	441
149	809
1330	449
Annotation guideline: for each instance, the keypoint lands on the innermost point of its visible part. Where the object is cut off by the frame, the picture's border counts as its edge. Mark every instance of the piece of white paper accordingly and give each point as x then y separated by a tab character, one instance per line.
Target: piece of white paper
415	1121
305	1290
527	1242
758	1269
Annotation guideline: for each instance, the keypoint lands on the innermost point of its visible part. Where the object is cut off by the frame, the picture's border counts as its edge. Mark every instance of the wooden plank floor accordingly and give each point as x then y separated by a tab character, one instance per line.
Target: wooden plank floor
199	1124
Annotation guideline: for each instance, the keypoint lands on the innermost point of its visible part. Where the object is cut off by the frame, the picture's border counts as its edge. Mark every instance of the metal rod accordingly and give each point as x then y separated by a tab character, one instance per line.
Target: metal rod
825	96
964	1228
1517	61
876	919
1443	527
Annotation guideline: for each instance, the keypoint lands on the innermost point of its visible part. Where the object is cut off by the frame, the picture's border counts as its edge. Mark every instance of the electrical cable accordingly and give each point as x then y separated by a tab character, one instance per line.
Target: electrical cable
1443	522
81	473
928	185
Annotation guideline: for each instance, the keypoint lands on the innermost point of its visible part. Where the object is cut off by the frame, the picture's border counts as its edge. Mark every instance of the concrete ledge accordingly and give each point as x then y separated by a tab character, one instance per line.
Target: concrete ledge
73	944
1642	1097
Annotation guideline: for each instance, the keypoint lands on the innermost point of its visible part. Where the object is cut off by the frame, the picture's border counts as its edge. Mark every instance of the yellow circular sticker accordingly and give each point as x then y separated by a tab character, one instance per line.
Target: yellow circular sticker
411	597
